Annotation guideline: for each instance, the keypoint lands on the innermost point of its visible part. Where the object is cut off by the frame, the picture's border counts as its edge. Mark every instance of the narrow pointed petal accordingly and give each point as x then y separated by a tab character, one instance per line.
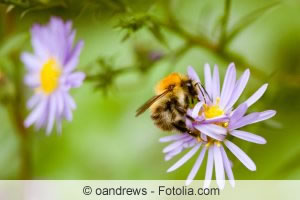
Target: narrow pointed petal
75	79
238	89
205	129
175	145
213	128
248	119
60	103
35	114
241	155
33	101
227	167
196	167
238	113
208	79
30	61
193	74
73	58
196	109
222	118
185	158
52	112
219	168
250	137
32	80
265	115
70	101
172	138
209	167
228	85
257	95
173	153
216	84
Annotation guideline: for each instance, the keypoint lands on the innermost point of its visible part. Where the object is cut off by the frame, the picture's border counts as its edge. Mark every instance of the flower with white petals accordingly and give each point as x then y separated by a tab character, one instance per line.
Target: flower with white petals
213	119
50	73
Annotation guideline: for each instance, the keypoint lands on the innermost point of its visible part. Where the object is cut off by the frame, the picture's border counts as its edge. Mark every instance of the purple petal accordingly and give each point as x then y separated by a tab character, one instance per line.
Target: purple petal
212	128
219	168
196	167
42	121
222	118
228	85
70	101
32	80
248	119
30	61
173	153
227	167
241	155
73	58
196	109
36	113
203	129
192	74
67	110
208	79
209	167
265	115
58	124
60	103
75	79
238	89
248	136
52	112
33	101
172	138
238	113
175	145
39	43
215	84
257	95
185	158
203	137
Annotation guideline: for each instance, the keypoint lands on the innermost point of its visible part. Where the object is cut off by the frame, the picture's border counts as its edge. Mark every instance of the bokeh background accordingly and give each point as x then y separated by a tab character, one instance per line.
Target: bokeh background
129	46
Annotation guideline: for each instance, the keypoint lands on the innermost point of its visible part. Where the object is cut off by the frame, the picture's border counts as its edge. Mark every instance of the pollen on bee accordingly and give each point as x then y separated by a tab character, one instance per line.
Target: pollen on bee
172	79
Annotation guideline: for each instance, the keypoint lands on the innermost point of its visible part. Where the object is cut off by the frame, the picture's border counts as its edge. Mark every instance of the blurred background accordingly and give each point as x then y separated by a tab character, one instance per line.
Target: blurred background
129	46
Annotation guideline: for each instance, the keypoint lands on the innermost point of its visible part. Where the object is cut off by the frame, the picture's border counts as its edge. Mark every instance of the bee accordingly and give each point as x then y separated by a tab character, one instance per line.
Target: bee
174	94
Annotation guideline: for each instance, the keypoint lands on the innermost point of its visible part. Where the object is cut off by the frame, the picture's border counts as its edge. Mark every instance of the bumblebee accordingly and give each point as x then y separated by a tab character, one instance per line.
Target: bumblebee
174	94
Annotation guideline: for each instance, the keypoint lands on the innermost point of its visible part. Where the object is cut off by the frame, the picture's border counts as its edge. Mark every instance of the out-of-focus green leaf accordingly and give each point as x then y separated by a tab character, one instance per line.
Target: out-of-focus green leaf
13	43
248	20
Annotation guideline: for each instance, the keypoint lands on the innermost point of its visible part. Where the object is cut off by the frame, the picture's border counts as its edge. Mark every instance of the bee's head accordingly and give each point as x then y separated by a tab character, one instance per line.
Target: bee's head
174	81
188	86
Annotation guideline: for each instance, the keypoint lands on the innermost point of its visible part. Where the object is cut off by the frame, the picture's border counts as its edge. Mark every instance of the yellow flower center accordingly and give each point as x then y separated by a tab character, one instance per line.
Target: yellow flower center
49	76
213	111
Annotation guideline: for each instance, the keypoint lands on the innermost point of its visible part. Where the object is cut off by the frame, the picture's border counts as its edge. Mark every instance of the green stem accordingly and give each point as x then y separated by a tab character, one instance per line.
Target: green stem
224	24
17	111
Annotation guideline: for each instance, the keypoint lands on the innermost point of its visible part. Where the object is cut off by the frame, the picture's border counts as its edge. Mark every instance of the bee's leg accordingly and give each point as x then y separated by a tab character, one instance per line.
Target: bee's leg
180	126
182	111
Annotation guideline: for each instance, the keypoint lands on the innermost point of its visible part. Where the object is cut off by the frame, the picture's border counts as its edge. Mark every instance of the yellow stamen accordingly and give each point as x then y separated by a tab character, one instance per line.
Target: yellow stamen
218	143
199	139
213	111
209	143
225	124
49	76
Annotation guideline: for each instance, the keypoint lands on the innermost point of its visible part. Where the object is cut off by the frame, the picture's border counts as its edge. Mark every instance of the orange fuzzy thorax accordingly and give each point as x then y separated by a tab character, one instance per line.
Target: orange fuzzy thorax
172	79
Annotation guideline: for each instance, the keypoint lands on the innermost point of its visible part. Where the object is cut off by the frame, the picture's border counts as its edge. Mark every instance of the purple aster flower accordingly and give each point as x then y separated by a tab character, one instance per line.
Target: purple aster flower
50	73
213	119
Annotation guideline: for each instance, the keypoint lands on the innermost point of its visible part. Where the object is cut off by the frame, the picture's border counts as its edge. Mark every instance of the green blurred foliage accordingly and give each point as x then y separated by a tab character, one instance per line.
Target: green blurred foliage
105	140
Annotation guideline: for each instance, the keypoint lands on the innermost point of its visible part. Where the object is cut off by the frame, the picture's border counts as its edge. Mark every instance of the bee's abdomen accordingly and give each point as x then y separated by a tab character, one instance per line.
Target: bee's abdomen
164	116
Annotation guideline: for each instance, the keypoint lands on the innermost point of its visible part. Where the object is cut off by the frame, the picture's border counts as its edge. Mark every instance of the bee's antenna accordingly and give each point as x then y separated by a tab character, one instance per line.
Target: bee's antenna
204	90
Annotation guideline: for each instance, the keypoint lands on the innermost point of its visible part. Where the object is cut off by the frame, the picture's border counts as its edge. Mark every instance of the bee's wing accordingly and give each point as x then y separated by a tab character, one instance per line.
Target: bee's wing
146	105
